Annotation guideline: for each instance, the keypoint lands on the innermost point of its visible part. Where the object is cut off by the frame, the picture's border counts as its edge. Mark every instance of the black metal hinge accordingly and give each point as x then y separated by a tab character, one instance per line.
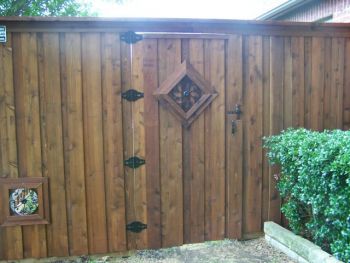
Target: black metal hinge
136	226
132	95
130	37
134	162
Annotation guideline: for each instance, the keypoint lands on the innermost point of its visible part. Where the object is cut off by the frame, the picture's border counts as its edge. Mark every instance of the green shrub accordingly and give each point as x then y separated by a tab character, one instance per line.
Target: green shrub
315	185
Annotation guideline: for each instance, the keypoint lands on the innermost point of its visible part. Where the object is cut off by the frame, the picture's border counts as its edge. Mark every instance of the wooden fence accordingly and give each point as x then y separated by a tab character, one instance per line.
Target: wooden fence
62	116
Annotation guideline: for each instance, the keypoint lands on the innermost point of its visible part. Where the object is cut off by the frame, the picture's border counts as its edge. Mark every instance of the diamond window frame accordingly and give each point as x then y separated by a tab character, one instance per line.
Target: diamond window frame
164	90
40	185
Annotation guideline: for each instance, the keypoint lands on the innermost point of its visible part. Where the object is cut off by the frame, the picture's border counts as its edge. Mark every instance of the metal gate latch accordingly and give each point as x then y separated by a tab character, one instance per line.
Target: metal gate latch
136	226
132	95
134	162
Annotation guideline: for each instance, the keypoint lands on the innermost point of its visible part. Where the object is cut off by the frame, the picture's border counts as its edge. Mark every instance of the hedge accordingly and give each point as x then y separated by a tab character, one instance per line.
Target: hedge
314	184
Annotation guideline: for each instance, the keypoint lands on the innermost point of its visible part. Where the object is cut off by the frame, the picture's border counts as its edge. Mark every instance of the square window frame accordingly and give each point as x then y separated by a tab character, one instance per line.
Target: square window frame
40	184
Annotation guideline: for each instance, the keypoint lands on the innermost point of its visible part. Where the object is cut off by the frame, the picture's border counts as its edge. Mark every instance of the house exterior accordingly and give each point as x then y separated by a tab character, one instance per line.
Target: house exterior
310	11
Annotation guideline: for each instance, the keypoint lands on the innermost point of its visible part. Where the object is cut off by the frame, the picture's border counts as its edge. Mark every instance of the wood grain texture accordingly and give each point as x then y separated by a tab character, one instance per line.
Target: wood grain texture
253	134
28	128
276	116
170	133
193	158
113	141
11	244
72	113
234	142
52	141
151	119
346	101
93	143
215	145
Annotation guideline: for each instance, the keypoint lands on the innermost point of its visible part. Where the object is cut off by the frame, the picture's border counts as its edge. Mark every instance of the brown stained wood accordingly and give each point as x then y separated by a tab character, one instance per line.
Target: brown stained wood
298	85
346	91
28	129
139	190
193	151
337	83
317	83
287	85
307	80
276	117
169	56
52	141
234	142
266	130
151	119
72	113
253	135
113	141
215	142
327	122
93	142
11	244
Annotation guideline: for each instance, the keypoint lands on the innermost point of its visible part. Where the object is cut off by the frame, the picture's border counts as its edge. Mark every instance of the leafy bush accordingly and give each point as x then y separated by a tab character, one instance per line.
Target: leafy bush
315	185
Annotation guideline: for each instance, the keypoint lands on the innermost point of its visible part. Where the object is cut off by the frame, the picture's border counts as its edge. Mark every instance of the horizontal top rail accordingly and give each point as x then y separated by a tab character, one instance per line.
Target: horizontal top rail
156	25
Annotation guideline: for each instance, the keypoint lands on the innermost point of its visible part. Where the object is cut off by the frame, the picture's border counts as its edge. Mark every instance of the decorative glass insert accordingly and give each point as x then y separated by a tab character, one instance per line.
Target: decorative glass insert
186	93
23	201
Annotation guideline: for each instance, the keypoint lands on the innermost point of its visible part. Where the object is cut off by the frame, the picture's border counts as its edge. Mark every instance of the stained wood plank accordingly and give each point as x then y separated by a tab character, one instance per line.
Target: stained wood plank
253	135
307	79
28	129
327	122
151	118
113	142
346	101
52	141
72	113
337	83
317	83
234	142
298	84
11	244
93	142
287	85
193	160
215	142
266	129
169	55
139	186
276	116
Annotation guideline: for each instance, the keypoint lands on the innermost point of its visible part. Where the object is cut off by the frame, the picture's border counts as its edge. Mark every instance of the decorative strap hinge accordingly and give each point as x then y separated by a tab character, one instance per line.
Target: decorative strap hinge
130	37
134	162
132	95
136	226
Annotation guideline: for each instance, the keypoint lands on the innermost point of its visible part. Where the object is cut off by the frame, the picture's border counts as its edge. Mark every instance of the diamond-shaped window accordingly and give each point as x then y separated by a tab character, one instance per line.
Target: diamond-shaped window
185	93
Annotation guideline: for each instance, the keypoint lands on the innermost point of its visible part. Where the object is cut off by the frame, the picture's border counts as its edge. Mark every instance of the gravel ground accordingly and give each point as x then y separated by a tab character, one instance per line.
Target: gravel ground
252	251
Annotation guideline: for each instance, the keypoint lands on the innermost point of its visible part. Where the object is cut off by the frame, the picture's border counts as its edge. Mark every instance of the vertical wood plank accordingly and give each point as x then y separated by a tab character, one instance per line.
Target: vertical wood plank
287	85
52	141
139	190
253	135
234	142
150	79
307	80
346	91
113	142
72	112
337	83
327	122
266	129
215	142
169	56
317	83
193	159
93	142
28	129
298	89
11	244
276	116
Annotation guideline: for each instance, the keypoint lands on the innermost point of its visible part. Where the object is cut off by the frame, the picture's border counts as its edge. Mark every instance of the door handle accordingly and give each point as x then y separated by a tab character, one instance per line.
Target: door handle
237	110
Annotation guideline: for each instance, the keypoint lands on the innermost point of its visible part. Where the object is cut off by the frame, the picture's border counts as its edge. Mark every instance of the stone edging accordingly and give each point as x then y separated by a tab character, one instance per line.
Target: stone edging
296	247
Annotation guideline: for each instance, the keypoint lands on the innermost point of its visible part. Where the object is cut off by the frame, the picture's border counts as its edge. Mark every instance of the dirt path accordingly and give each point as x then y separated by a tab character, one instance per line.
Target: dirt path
253	251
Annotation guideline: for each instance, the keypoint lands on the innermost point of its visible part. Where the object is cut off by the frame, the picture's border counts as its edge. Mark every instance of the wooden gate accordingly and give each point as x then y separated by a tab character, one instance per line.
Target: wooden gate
156	143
